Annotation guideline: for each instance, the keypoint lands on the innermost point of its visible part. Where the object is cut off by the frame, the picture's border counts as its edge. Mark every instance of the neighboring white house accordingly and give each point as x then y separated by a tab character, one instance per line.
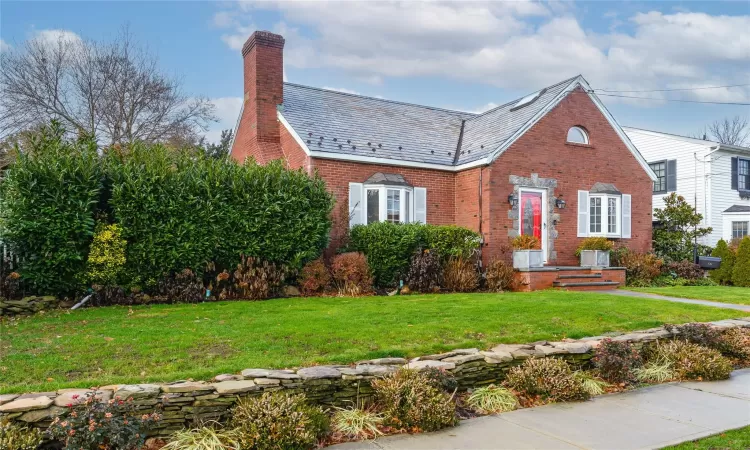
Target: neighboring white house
713	177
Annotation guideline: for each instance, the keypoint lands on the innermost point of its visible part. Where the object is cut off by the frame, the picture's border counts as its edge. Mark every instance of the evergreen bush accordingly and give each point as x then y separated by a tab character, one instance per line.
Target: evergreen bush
741	270
723	275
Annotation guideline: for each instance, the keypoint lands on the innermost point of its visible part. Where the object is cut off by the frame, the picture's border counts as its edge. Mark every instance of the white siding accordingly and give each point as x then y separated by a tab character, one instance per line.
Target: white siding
691	172
722	196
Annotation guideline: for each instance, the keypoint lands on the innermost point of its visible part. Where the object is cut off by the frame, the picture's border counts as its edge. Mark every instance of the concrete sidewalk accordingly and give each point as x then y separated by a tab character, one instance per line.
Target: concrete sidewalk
647	418
626	293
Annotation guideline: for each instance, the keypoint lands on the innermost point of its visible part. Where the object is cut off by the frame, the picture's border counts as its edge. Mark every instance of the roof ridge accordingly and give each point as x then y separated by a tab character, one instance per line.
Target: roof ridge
569	80
670	134
455	111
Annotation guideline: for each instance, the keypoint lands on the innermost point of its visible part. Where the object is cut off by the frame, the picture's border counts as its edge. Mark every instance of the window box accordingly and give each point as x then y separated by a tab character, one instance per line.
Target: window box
526	259
594	258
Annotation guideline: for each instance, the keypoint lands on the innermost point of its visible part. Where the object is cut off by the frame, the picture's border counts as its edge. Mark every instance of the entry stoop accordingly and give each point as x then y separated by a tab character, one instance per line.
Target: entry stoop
570	278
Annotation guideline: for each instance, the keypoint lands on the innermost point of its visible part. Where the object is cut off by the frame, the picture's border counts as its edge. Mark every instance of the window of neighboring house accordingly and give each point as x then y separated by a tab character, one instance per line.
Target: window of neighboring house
660	169
739	230
389	203
743	174
578	135
604	215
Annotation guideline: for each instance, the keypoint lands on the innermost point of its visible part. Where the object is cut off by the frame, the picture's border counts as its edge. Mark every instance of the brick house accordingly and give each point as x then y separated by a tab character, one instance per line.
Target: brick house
502	173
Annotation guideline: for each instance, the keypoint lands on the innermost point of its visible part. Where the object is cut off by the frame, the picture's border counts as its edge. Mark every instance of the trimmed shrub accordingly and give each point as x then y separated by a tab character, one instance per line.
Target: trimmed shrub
441	379
640	268
679	227
17	437
500	276
107	256
697	333
550	378
526	242
460	275
48	202
723	275
687	270
616	361
411	401
92	425
256	280
181	287
741	270
425	272
492	400
390	246
278	421
735	343
356	423
314	278
692	361
204	438
351	273
178	210
595	243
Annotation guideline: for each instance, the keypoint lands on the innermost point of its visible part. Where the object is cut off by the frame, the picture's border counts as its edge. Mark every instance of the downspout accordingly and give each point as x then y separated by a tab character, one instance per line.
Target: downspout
705	194
481	235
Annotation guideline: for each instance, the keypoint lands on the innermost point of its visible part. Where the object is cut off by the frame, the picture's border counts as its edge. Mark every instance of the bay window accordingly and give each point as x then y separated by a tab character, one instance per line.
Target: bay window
386	197
389	203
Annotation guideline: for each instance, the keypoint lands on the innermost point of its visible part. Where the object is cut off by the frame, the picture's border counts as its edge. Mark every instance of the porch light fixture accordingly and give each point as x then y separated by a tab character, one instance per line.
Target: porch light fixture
513	199
560	203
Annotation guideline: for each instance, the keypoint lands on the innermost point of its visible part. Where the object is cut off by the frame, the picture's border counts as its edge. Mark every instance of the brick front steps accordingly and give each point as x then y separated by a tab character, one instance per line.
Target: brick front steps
183	402
570	278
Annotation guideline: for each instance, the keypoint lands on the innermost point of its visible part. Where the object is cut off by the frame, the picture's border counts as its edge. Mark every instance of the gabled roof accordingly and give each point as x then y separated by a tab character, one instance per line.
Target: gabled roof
737	208
678	137
337	125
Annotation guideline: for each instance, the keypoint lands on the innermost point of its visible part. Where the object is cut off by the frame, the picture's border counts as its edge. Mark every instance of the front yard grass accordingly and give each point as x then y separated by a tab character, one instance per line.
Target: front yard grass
98	346
725	294
738	439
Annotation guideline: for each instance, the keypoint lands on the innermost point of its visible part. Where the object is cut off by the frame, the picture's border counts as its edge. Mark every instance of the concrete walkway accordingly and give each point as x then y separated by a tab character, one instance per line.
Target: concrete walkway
647	418
625	293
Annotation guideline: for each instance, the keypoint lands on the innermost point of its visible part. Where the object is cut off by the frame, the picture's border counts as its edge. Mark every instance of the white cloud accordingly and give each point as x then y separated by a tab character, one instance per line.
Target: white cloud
55	36
4	46
344	90
227	111
497	43
484	108
223	19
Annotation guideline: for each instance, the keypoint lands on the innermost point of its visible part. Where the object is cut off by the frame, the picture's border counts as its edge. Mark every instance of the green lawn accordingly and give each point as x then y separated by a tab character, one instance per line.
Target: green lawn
730	440
726	294
171	342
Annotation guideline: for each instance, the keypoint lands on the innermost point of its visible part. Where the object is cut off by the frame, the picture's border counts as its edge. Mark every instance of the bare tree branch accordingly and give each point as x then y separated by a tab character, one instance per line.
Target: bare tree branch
733	131
113	91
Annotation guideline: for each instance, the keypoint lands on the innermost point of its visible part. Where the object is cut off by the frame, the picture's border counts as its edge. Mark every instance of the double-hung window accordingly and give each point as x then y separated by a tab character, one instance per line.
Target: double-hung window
660	169
386	197
739	230
604	215
743	174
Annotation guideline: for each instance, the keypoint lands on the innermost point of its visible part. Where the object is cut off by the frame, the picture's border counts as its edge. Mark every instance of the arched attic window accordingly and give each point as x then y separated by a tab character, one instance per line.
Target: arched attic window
578	135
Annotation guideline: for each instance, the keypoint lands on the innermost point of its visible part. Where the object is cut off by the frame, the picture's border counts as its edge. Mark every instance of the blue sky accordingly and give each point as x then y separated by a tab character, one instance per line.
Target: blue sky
465	55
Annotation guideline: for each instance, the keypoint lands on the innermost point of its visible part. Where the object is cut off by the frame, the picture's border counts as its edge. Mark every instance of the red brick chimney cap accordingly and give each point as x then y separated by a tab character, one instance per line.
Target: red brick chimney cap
264	39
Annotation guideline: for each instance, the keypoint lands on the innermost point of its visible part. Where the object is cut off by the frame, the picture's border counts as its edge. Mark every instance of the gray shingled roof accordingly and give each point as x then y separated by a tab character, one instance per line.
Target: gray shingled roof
738	208
337	122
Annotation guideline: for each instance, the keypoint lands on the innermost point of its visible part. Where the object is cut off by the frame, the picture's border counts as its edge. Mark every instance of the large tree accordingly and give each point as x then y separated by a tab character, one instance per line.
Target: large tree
730	130
113	91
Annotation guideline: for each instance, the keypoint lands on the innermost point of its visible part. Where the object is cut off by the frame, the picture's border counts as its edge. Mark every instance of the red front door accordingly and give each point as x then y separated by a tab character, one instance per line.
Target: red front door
531	214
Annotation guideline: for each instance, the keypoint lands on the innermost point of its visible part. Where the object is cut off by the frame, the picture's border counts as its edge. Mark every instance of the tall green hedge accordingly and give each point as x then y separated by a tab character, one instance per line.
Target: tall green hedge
741	271
723	275
181	210
390	246
48	200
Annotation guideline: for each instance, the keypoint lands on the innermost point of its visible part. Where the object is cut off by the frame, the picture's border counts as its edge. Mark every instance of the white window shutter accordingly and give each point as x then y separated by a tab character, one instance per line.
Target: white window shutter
626	216
420	204
356	205
583	213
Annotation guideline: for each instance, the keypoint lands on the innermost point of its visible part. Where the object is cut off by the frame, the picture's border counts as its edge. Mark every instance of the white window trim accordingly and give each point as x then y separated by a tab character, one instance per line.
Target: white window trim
583	133
727	219
605	216
383	201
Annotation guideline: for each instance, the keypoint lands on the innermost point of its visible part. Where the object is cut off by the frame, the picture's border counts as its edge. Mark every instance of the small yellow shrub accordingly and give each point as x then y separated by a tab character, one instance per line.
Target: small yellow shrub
107	256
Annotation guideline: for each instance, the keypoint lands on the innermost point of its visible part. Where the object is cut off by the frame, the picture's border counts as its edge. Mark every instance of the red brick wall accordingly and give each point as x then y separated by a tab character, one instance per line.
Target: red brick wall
258	134
543	150
294	156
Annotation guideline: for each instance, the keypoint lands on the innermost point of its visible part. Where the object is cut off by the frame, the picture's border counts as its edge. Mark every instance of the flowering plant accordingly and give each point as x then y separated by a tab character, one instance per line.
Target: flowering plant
91	424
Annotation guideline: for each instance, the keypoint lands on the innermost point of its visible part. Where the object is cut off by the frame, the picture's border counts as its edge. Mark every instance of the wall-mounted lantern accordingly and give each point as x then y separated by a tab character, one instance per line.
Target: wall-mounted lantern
560	203
513	200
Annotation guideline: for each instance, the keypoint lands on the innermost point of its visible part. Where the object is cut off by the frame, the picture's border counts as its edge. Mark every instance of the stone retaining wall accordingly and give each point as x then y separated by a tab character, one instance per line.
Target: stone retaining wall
182	403
27	305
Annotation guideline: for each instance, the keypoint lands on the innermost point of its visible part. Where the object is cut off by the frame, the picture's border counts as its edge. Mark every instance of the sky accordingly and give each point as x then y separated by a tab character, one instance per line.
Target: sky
469	56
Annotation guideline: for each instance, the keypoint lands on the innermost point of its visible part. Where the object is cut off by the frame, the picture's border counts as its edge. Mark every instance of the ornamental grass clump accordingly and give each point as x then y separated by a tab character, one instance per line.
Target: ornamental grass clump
692	361
278	421
658	371
550	378
591	384
356	423
90	424
460	275
595	243
500	276
204	438
409	400
617	360
492	400
17	437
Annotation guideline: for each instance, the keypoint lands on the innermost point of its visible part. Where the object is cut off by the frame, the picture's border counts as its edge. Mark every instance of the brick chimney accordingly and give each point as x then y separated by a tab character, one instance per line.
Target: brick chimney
258	133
